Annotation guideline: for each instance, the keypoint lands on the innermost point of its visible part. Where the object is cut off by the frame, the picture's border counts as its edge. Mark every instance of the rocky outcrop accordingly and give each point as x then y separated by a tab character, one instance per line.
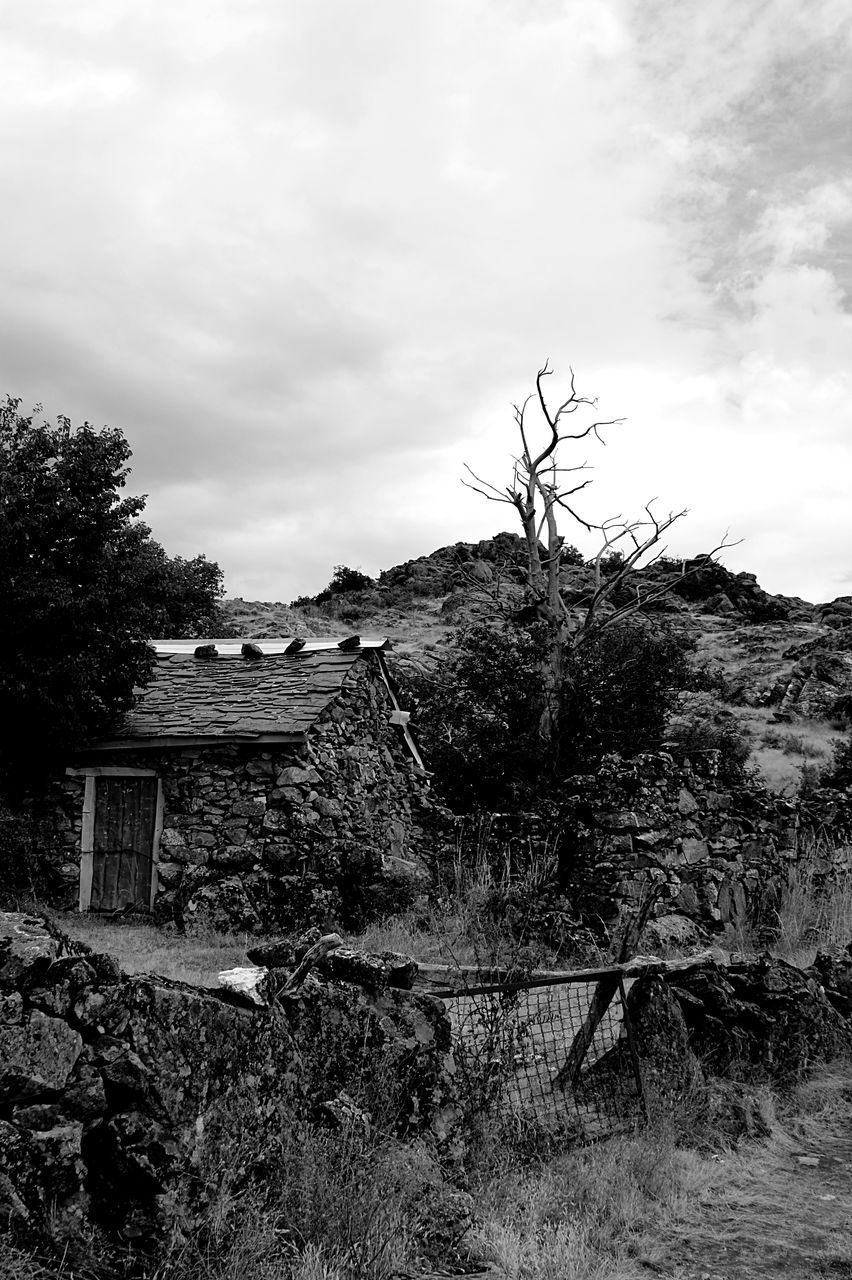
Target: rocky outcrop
108	1082
761	1019
819	685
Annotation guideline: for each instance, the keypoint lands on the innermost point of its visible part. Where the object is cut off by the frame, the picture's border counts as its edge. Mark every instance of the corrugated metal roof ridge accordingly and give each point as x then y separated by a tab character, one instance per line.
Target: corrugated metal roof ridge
268	645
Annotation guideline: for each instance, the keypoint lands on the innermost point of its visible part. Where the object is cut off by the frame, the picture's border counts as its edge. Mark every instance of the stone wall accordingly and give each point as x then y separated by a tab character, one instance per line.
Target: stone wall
293	835
706	1033
108	1083
716	852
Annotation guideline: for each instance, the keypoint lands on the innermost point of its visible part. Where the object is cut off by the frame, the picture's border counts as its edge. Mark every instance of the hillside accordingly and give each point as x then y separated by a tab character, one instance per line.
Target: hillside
785	665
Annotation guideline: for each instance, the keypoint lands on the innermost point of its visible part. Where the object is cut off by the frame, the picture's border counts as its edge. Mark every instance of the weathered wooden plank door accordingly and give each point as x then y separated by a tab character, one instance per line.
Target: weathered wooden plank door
123	846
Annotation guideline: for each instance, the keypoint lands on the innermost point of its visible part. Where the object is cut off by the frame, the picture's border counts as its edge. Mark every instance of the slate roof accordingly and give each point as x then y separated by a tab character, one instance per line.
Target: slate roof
232	697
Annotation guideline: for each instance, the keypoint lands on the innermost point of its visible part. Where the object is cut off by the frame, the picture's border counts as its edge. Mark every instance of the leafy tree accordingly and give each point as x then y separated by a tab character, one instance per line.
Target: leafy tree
478	713
83	586
182	595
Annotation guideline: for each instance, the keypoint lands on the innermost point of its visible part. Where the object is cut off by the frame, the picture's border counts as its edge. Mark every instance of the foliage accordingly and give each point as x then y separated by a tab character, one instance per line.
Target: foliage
83	587
478	713
701	723
28	850
839	773
181	595
623	684
345	580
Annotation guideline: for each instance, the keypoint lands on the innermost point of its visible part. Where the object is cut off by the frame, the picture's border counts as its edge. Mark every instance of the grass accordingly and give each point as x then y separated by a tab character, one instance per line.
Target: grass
300	1203
297	1203
146	948
814	909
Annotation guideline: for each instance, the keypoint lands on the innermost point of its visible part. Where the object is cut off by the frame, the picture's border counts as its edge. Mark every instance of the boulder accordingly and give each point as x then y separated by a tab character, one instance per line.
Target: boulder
832	968
763	1019
36	1057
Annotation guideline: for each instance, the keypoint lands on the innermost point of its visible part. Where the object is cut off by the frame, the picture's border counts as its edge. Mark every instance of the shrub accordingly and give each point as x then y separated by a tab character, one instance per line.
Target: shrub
29	850
701	723
477	715
478	712
839	773
345	580
623	683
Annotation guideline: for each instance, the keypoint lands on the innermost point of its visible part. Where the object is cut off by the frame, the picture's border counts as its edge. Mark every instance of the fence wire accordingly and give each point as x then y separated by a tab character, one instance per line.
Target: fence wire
551	1055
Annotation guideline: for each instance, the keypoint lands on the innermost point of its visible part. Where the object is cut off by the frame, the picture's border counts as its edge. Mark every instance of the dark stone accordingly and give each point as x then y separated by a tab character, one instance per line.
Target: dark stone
36	1057
388	969
670	1069
221	907
832	968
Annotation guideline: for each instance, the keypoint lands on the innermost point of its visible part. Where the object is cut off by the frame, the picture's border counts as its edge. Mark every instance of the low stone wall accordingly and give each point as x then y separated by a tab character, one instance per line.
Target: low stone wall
706	1035
108	1082
718	854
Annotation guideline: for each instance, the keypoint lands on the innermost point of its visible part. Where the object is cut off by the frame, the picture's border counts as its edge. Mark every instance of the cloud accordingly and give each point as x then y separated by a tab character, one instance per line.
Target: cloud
307	256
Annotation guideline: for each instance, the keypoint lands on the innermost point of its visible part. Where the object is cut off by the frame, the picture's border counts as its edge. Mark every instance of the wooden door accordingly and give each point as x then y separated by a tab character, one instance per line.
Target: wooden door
123	845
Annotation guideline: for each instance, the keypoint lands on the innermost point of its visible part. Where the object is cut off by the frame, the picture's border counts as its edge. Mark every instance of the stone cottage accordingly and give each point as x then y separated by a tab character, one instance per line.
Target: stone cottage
254	785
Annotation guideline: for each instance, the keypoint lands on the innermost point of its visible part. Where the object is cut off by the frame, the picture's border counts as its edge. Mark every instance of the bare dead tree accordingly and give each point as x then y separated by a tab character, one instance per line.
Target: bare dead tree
543	488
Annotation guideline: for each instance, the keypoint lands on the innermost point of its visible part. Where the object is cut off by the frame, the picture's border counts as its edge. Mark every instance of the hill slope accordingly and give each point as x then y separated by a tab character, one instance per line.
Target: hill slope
786	664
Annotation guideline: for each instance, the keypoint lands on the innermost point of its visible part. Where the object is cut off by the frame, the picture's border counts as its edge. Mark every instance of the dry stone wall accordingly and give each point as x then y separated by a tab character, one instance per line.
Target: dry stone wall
280	838
717	853
108	1083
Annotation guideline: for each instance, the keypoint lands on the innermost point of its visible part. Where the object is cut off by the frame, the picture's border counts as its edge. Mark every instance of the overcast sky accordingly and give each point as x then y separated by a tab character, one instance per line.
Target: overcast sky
306	255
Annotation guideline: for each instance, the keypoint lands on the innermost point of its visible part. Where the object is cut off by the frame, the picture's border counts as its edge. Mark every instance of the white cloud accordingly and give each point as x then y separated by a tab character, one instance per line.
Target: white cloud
306	256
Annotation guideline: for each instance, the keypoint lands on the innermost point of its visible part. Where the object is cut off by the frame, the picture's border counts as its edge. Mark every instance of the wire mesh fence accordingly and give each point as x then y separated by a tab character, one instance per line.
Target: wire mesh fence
548	1055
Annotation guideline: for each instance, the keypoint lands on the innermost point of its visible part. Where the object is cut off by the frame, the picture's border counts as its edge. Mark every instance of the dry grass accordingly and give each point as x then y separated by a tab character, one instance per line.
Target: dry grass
814	910
145	948
780	751
591	1214
649	1204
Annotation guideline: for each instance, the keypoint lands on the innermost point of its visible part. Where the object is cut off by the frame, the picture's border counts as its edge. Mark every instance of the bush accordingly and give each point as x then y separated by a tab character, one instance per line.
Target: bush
623	683
839	773
29	850
701	723
345	580
477	716
478	713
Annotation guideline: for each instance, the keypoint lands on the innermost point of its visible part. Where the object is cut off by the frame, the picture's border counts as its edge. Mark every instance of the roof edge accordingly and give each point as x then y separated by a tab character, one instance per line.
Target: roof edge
192	740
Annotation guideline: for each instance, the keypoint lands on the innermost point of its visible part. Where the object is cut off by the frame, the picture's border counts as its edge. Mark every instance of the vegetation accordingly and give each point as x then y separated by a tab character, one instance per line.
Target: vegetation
542	490
344	582
839	772
83	588
478	713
